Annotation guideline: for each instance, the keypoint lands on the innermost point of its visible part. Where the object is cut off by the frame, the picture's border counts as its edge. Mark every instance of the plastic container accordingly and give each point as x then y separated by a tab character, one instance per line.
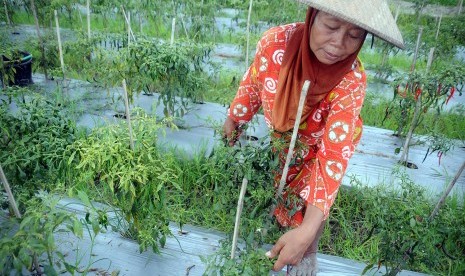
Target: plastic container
23	69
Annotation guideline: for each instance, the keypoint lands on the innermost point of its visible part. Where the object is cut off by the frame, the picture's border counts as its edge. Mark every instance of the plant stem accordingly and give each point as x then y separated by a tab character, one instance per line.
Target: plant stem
413	125
240	204
128	118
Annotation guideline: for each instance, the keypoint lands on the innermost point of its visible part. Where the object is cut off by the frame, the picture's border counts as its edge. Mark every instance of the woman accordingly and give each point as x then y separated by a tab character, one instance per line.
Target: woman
323	50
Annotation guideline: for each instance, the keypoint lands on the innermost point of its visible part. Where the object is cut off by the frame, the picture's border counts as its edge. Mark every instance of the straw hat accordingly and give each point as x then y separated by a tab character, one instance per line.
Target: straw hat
371	15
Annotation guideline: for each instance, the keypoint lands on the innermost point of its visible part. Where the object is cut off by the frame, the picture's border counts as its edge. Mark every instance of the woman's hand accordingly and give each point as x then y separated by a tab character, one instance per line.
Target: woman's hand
231	131
291	247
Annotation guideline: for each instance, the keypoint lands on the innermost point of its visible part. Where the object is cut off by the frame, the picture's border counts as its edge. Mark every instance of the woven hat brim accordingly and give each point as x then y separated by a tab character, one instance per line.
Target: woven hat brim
372	15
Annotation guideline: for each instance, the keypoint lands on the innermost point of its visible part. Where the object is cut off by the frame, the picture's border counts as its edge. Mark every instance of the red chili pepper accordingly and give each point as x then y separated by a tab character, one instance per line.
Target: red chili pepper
417	93
439	155
452	91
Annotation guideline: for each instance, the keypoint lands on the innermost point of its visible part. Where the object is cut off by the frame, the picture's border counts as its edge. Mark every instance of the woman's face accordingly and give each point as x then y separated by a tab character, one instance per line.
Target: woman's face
332	39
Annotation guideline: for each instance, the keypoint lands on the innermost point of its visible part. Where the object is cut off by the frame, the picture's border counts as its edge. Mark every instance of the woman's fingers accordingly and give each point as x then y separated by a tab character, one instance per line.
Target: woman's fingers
230	131
279	264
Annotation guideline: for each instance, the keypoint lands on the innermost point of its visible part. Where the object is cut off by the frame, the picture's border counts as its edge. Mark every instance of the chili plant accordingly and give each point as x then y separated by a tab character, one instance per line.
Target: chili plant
21	240
136	180
421	92
175	71
34	138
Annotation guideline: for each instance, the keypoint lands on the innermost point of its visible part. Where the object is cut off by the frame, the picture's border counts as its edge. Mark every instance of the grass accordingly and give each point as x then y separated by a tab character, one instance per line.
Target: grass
451	123
363	225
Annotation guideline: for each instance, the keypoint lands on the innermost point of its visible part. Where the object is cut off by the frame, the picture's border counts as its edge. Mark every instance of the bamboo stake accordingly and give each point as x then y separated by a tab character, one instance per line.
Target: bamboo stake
88	19
128	118
6	13
439	26
41	43
415	56
11	198
129	27
431	51
430	58
60	49
460	7
303	95
173	27
447	191
248	35
127	18
240	205
14	206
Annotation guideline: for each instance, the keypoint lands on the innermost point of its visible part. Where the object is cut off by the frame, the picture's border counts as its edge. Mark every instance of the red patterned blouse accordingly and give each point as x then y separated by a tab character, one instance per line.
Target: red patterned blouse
326	140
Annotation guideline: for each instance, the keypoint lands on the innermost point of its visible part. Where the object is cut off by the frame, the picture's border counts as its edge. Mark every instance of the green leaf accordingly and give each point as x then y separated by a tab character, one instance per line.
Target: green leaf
71	158
49	270
84	198
367	268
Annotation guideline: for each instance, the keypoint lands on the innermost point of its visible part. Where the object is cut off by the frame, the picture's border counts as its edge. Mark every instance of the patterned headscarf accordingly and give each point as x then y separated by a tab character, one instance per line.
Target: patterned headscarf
300	64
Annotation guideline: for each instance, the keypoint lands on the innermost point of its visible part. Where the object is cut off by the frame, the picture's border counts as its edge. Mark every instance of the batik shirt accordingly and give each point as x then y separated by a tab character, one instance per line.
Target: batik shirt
326	139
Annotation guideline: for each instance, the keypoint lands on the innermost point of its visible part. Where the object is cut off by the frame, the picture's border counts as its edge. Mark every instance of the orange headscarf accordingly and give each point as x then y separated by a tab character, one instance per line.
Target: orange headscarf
300	64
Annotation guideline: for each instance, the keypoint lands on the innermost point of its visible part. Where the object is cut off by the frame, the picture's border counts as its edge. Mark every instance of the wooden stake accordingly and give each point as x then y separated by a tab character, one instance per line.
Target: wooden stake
439	26
303	96
431	51
39	37
6	13
127	18
414	62
446	192
240	205
128	116
11	198
430	58
460	7
173	28
88	19
12	201
248	36
60	49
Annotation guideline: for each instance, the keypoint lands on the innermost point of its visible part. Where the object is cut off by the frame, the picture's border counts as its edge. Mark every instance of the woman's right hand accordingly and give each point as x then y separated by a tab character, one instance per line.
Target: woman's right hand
231	131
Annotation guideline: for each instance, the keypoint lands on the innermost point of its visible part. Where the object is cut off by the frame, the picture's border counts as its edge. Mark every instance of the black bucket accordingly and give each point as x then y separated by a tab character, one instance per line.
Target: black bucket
23	69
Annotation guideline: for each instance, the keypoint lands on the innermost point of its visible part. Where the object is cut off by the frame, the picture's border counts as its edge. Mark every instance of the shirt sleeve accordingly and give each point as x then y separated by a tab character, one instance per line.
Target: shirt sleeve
341	135
247	101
